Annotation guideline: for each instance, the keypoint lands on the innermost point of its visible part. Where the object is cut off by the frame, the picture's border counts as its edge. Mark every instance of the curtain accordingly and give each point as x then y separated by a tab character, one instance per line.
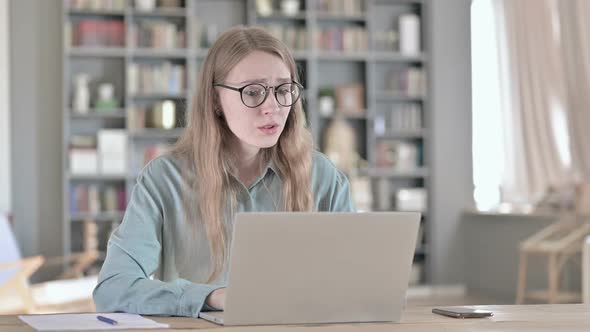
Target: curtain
575	39
537	154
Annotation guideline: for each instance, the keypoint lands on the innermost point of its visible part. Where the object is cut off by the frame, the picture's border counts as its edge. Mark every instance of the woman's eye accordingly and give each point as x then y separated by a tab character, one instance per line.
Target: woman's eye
254	92
284	91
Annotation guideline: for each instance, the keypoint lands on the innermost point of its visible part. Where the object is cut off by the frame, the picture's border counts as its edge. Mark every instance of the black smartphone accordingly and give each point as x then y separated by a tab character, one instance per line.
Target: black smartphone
462	312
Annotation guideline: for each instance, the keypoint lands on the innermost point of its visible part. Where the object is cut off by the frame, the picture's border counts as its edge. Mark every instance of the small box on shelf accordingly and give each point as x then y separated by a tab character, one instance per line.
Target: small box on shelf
82	155
350	98
398	154
83	161
112	150
411	199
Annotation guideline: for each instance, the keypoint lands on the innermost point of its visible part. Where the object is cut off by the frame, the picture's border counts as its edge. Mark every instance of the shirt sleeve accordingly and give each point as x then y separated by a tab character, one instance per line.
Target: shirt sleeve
341	200
133	255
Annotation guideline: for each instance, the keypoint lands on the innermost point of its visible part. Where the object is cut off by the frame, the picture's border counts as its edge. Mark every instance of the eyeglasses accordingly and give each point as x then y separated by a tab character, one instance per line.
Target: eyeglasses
255	94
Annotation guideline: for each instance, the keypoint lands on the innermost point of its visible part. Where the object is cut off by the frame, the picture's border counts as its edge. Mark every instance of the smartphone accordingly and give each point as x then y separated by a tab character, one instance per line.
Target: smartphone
462	312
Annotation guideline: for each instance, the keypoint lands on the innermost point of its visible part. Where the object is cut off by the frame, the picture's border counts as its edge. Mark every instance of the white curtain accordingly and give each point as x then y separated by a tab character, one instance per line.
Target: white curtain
575	38
537	152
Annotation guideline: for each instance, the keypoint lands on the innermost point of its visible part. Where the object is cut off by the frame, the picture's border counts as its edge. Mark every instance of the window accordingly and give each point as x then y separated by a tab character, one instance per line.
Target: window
5	203
488	149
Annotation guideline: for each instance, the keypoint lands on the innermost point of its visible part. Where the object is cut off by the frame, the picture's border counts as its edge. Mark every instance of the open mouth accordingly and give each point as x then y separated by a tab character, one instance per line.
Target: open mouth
269	129
269	126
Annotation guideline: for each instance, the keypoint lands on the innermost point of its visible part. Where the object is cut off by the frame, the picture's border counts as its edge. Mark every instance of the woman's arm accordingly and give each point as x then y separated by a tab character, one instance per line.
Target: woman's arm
133	255
341	198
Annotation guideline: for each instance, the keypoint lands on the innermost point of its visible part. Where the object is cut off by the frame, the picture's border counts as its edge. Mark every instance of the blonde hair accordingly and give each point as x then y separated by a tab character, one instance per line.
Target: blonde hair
205	146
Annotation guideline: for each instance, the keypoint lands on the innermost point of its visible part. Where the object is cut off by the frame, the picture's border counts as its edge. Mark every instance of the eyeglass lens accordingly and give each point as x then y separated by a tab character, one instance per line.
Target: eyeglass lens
255	94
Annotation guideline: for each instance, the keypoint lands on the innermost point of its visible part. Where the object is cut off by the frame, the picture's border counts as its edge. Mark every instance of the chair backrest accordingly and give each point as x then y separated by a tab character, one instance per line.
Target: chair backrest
9	251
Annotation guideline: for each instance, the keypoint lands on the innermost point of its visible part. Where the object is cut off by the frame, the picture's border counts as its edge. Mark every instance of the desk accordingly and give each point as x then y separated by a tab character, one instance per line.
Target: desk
546	317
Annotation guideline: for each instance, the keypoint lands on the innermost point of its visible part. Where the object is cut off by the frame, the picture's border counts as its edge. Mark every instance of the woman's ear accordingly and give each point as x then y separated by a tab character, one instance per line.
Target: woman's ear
217	104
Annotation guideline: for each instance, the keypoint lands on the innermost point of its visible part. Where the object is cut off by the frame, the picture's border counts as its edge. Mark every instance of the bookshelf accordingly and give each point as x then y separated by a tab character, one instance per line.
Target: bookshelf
342	48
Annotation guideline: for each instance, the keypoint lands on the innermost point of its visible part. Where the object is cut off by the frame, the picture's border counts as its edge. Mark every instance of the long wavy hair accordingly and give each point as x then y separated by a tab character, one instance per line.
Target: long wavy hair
205	147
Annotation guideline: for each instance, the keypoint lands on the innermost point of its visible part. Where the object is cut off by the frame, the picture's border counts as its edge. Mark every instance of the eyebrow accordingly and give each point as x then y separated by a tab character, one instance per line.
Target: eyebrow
264	80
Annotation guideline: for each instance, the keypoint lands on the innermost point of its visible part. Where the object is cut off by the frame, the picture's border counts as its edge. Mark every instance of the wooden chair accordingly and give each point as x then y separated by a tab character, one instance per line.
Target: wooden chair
560	242
17	295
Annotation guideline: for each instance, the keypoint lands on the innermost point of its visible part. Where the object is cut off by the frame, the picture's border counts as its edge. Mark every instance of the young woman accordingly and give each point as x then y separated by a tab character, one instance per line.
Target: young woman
246	148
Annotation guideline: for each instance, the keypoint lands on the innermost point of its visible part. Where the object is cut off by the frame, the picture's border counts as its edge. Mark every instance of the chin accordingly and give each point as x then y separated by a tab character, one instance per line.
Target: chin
268	143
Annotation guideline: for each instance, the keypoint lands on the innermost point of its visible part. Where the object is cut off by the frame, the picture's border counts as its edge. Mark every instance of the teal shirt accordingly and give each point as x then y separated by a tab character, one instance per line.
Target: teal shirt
157	265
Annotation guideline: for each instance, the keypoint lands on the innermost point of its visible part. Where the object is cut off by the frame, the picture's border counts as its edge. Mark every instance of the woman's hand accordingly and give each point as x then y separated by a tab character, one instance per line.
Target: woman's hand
216	299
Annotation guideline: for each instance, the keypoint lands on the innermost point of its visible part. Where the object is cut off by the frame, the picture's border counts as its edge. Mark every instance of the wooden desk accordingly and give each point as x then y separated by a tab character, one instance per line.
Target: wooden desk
546	317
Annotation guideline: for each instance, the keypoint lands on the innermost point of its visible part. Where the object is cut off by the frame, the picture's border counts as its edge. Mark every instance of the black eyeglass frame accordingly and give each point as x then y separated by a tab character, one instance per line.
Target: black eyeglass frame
266	88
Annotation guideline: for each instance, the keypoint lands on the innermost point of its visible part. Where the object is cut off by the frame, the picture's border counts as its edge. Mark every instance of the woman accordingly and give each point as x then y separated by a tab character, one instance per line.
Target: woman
246	148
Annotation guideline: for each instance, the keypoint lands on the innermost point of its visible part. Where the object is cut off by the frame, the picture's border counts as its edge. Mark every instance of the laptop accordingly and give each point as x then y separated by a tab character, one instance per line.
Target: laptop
322	267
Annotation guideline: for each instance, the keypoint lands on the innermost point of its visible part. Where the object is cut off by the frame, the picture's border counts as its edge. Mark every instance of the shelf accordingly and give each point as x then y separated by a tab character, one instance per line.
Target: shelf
100	216
384	56
95	177
94	114
301	16
159	53
318	67
338	17
201	52
379	172
341	56
408	134
396	97
360	116
159	96
156	133
97	51
116	13
161	12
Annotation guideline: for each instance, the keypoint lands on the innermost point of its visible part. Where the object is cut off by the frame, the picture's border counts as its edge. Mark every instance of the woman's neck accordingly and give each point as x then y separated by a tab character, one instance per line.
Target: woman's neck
248	165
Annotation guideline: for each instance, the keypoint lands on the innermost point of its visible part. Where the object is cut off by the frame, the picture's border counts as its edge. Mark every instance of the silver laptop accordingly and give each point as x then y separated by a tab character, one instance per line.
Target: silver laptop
302	268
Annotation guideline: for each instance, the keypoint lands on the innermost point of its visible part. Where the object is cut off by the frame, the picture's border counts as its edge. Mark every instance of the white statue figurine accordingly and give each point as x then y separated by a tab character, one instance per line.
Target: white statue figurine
81	102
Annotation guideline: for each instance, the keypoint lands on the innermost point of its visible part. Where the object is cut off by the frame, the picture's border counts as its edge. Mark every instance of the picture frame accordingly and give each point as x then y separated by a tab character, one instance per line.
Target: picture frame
350	98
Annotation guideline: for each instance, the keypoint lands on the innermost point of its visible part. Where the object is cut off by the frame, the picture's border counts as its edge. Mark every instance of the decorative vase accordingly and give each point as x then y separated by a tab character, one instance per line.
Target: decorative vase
326	105
106	98
290	7
81	94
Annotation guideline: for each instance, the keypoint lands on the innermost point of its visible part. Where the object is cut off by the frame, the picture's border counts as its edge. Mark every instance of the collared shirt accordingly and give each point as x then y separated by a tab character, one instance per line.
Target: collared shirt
158	264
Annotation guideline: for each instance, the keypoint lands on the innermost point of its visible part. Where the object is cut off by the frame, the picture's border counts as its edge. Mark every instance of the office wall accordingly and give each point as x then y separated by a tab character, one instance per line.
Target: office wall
5	195
451	141
492	255
35	99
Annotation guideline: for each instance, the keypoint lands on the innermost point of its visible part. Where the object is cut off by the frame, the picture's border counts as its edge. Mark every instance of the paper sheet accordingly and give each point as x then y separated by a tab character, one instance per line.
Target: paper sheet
89	322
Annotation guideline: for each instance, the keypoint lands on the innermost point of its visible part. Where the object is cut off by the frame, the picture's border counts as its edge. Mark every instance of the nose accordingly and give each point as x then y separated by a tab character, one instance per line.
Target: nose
270	104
